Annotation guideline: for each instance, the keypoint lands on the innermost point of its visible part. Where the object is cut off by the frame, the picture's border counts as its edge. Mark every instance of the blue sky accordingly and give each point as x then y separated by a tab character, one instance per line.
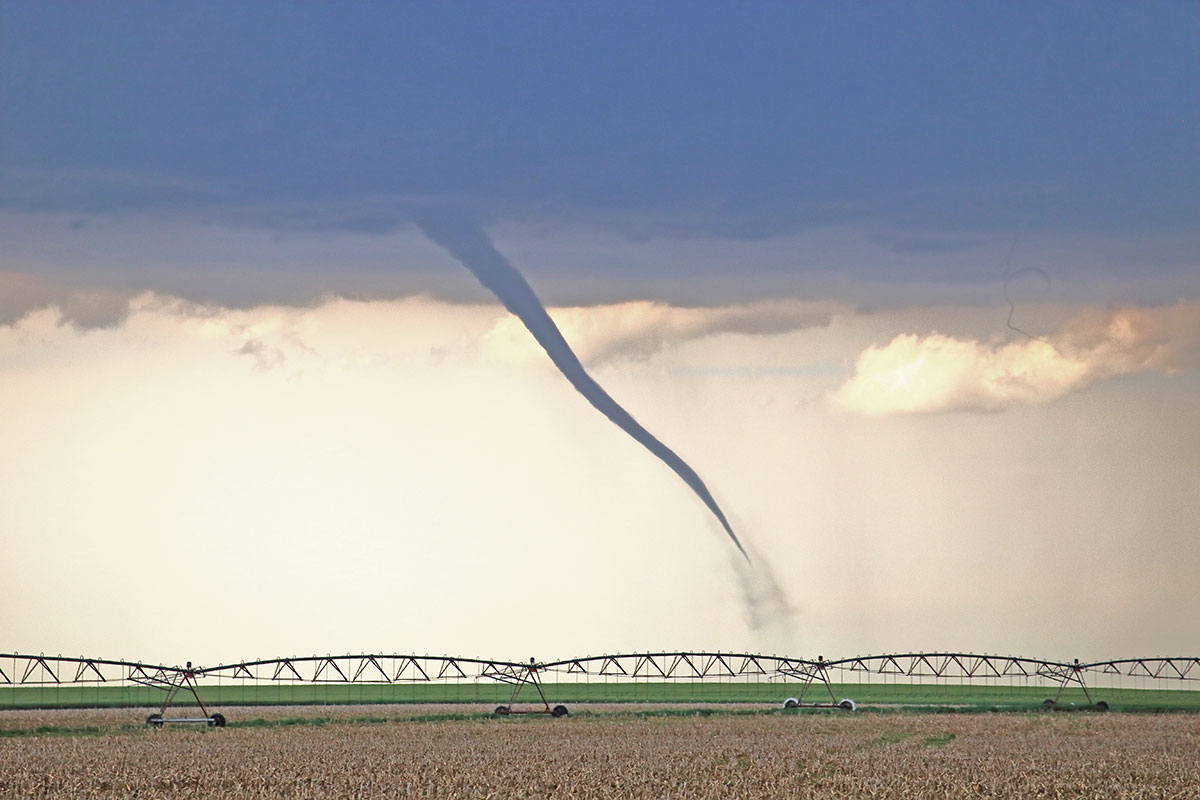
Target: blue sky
785	236
924	128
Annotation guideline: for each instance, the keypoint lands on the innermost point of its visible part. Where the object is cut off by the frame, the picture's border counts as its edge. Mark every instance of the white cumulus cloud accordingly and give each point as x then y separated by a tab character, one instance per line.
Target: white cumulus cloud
639	329
935	372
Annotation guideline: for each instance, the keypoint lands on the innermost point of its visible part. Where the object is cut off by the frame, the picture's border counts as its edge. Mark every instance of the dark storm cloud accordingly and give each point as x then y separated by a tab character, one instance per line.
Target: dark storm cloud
682	147
88	309
658	120
101	191
931	244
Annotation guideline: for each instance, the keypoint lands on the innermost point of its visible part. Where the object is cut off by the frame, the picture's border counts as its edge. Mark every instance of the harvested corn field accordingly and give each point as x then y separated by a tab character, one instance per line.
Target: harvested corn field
624	755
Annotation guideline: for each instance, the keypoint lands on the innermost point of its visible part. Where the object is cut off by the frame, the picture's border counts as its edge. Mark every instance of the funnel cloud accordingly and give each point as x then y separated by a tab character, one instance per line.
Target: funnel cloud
467	243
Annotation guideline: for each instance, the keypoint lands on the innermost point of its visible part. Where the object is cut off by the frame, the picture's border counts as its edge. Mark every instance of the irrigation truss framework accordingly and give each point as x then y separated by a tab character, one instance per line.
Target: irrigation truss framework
22	672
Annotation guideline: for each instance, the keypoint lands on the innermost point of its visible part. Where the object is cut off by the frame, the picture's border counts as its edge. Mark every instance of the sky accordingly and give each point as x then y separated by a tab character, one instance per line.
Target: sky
912	287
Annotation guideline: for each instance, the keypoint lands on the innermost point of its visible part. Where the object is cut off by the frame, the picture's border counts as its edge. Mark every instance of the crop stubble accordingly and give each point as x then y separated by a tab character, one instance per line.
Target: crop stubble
623	756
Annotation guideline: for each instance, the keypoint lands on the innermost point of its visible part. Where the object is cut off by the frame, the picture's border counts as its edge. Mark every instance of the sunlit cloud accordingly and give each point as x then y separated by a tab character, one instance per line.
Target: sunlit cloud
935	372
639	329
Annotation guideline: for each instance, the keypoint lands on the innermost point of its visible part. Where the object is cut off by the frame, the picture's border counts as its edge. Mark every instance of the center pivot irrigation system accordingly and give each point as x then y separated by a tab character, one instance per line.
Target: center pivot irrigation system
171	684
49	681
520	677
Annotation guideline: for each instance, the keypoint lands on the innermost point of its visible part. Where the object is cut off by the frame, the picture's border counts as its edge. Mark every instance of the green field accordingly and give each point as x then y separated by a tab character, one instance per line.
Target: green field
974	697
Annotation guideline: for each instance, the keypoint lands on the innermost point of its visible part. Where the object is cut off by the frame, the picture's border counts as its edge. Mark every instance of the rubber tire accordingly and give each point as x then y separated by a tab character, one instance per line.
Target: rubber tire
846	704
1048	703
1101	705
155	720
503	710
559	711
791	702
216	720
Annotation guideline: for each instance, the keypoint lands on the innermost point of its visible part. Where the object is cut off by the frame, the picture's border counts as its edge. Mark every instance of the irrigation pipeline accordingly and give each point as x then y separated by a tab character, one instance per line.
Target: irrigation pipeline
18	670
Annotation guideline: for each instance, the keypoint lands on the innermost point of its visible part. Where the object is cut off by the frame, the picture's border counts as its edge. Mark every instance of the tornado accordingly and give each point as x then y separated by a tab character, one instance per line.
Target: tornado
466	241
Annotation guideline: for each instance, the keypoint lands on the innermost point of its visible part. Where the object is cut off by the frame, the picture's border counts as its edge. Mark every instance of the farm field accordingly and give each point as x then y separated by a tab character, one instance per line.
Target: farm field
981	696
604	753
